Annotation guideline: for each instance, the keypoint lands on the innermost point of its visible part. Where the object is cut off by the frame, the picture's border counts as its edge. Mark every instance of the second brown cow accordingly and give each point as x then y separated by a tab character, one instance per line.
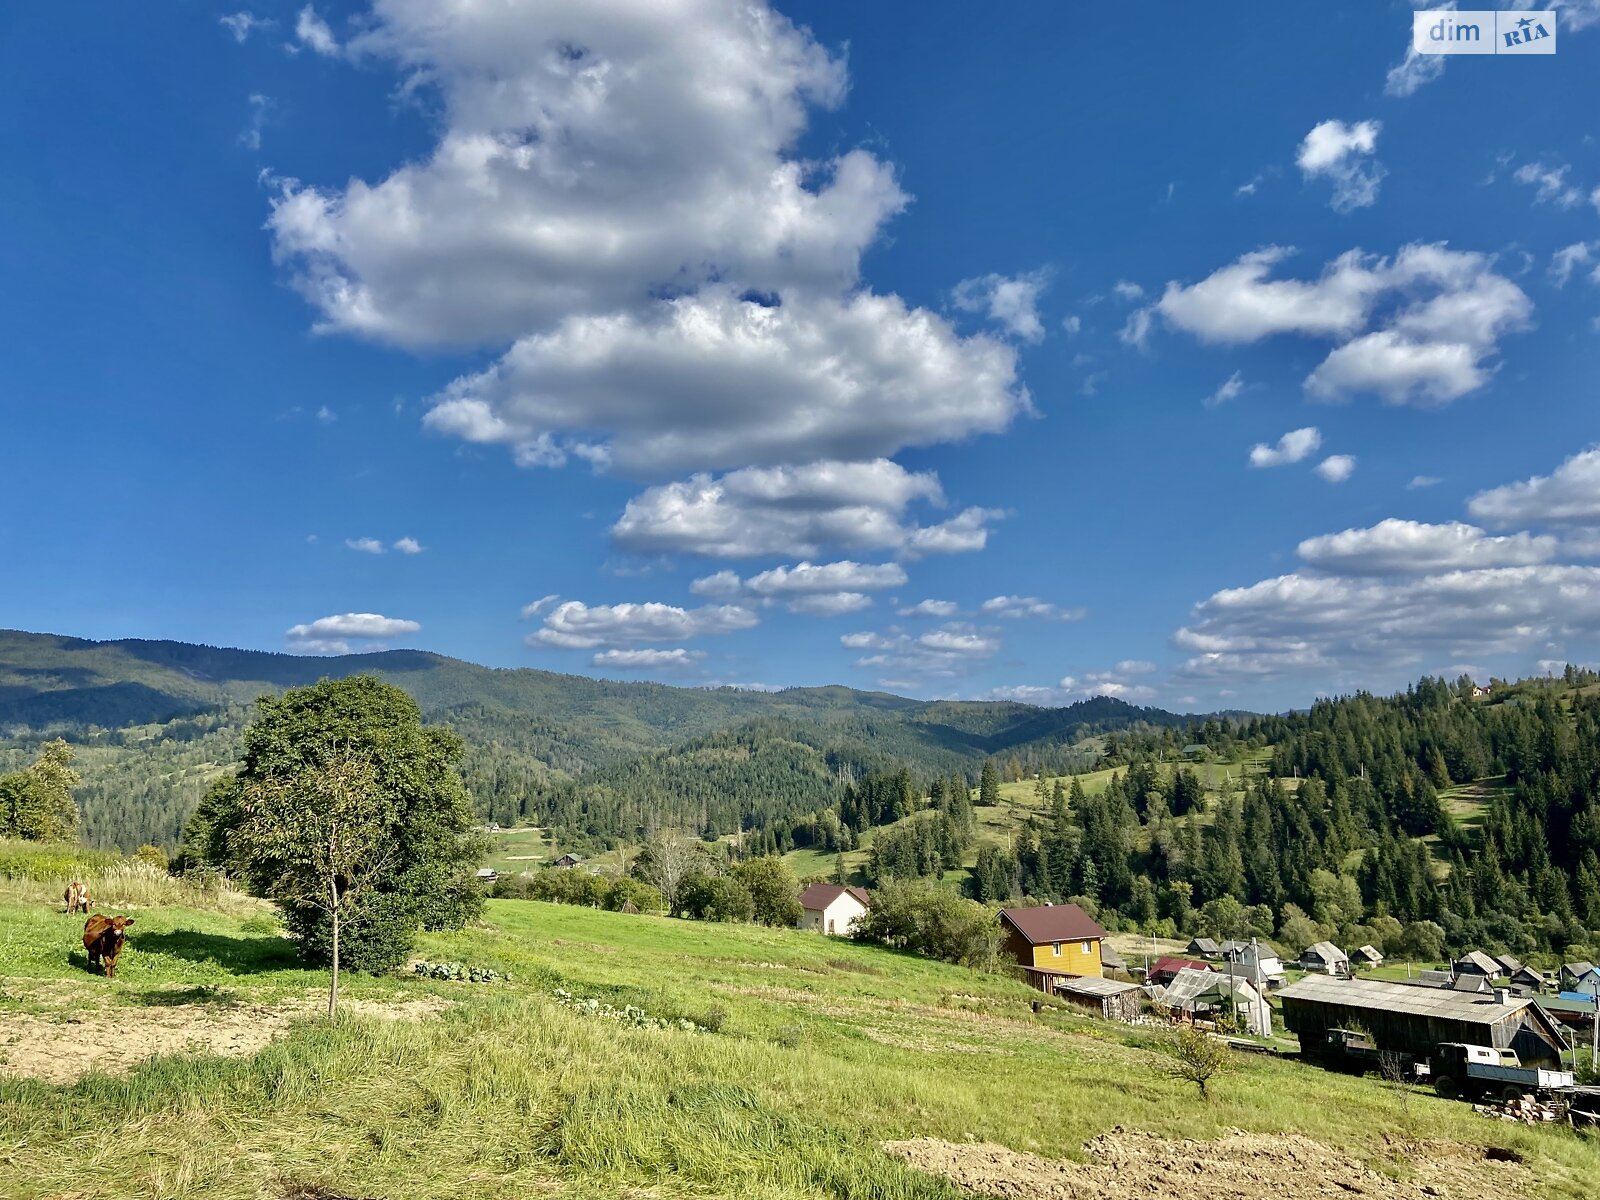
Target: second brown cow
102	938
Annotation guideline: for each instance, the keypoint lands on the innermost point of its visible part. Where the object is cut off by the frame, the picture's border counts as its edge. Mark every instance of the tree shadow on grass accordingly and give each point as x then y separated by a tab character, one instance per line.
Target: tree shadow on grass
238	955
205	993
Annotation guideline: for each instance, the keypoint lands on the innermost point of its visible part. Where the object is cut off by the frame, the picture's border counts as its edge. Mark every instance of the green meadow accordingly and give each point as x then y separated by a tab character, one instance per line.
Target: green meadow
808	1054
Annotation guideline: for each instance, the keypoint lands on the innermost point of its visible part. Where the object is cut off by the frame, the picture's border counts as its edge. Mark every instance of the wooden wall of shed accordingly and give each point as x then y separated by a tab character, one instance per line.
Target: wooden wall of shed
1413	1034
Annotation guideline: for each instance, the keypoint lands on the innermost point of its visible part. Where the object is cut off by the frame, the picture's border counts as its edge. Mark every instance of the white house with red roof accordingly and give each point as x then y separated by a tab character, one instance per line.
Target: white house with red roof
833	908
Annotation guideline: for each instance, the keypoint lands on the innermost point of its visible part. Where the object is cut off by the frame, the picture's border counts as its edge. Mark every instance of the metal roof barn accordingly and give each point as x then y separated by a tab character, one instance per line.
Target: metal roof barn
1415	1019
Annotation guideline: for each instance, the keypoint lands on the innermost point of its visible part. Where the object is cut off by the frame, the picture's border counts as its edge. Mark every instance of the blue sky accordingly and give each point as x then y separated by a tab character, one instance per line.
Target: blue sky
1207	362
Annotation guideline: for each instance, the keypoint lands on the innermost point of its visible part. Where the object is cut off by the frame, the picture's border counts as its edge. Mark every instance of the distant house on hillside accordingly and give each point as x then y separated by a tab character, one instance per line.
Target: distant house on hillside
833	908
1053	940
1366	956
1530	978
1325	958
566	862
1482	691
1581	977
1477	963
1210	993
1204	947
487	874
1164	970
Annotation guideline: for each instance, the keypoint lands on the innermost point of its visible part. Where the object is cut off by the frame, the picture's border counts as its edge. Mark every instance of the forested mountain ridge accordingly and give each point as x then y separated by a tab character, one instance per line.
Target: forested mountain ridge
152	722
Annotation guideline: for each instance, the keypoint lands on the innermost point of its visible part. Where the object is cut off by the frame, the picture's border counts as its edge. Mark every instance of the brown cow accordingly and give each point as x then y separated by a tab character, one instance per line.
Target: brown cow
102	938
77	897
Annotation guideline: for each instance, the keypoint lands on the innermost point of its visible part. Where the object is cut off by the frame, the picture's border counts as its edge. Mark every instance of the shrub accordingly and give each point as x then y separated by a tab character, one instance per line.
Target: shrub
926	919
715	898
714	1018
154	855
1197	1057
774	893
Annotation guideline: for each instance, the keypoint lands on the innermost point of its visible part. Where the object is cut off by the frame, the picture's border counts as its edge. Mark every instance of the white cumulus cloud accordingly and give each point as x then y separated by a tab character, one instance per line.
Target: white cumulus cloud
578	626
1012	302
1336	468
1343	154
1568	495
1394	546
1291	448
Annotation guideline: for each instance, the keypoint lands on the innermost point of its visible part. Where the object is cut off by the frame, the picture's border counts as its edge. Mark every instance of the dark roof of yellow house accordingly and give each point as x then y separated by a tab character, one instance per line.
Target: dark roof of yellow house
1053	923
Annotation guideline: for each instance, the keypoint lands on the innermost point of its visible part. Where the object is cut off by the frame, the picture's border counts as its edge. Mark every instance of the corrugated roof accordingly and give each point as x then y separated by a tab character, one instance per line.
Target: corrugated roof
1381	995
1479	962
1091	985
1053	923
1327	952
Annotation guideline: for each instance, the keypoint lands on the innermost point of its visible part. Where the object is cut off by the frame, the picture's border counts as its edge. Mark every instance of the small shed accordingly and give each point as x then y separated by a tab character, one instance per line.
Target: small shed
1436	979
1469	982
1509	965
1477	963
1402	1016
487	874
1325	958
1110	999
566	862
1204	947
1530	978
1366	956
1110	960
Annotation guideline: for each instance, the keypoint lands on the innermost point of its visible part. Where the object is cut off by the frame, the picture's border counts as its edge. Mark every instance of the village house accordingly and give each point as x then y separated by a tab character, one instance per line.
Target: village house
1427	977
833	908
1164	970
1204	947
1325	958
1366	956
566	862
1111	962
1477	963
1580	977
1051	941
1259	964
487	875
1530	978
1210	993
1509	965
1110	999
1411	1019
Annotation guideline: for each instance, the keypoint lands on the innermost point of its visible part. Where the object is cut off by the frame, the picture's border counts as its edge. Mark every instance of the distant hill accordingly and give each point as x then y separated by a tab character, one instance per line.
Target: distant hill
154	721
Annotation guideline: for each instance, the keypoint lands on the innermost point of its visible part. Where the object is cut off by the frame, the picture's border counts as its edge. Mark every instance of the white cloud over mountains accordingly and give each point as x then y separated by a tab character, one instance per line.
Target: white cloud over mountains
616	205
1415	329
1395	546
1403	596
334	635
1343	155
797	512
947	652
817	589
573	625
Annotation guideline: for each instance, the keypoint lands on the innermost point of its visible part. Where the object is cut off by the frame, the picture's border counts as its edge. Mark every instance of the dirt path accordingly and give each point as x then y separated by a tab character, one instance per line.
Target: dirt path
63	1047
1239	1166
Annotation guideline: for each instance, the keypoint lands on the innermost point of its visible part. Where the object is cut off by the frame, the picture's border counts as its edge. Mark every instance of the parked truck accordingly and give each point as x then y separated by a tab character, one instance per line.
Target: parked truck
1352	1050
1463	1070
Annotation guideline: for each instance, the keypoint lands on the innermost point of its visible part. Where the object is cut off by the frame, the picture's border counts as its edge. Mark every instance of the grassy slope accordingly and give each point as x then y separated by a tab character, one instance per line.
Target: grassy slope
827	1049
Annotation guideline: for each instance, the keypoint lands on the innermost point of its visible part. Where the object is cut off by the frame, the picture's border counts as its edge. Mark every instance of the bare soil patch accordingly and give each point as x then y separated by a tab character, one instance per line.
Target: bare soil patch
63	1047
1239	1166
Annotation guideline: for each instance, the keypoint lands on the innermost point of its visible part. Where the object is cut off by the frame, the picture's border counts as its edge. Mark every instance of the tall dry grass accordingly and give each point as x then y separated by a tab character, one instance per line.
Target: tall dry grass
40	872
